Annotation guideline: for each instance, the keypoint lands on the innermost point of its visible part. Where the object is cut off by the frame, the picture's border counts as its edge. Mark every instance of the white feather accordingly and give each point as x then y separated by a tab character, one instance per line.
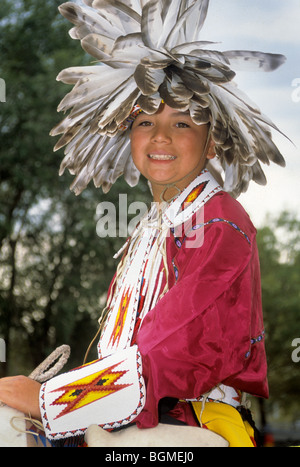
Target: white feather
242	60
119	14
153	49
151	24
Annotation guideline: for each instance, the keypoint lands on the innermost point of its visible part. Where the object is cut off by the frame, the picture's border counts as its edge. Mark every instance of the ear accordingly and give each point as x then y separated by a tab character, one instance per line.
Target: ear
211	151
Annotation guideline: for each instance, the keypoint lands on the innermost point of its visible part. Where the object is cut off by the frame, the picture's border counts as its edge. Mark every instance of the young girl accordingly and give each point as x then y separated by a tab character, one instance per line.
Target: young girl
182	336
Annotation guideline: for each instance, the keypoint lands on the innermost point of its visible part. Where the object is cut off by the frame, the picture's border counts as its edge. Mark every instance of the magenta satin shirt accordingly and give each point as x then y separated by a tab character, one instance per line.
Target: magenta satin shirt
208	328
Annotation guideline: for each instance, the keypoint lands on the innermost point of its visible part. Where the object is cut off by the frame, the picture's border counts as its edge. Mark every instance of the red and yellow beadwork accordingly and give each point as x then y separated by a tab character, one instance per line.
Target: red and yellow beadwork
194	194
121	317
89	389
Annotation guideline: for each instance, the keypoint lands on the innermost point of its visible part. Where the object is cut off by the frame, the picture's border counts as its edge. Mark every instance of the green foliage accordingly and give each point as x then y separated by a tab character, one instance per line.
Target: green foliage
55	270
279	247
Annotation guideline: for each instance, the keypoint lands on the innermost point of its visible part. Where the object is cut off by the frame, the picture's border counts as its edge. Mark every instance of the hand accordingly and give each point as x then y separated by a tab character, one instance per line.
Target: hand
22	394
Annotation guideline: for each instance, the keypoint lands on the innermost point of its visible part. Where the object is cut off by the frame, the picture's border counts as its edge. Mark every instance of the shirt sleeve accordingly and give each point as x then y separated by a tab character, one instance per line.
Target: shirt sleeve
199	333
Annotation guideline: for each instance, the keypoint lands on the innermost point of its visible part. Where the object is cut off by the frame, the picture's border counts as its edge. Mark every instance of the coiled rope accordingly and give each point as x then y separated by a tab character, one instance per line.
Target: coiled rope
45	371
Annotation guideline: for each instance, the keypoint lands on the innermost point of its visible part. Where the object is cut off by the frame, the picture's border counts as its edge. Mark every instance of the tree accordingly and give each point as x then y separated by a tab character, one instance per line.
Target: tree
279	246
55	270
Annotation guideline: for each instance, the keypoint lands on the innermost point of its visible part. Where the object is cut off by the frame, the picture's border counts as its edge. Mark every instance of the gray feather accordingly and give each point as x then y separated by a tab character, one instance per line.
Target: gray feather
172	99
242	60
151	23
188	47
89	19
189	24
179	88
149	104
152	50
258	175
119	14
195	83
199	114
98	45
148	80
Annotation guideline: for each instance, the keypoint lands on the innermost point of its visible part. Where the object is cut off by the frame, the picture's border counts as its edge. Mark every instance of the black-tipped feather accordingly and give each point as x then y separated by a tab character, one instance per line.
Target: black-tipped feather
152	50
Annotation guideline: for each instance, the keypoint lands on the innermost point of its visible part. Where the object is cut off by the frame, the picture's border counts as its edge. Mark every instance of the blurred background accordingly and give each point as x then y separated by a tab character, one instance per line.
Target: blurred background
55	269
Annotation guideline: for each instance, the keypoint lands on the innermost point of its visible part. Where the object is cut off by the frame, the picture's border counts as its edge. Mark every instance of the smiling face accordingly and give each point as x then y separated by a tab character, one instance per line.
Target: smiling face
168	147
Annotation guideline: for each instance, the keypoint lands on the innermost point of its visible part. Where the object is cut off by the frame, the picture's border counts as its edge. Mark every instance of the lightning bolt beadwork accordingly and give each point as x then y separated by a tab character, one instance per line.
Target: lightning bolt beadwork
89	389
121	317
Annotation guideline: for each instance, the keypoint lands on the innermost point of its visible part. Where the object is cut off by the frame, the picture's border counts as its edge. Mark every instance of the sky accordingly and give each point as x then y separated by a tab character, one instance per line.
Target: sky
267	26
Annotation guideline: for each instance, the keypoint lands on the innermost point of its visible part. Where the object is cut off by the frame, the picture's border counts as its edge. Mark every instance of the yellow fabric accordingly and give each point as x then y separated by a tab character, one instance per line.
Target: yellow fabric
226	421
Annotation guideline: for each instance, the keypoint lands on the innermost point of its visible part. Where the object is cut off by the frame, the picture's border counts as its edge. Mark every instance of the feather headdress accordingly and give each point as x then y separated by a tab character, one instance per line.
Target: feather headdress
149	51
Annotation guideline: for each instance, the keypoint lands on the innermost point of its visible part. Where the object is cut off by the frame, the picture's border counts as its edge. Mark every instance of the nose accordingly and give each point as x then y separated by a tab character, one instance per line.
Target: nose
161	134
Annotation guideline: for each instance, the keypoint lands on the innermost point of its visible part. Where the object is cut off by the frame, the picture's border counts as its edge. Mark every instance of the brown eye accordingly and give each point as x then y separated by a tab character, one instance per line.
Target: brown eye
145	123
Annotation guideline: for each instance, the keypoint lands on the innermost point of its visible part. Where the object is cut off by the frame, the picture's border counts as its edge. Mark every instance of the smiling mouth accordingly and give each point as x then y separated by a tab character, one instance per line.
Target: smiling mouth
161	157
